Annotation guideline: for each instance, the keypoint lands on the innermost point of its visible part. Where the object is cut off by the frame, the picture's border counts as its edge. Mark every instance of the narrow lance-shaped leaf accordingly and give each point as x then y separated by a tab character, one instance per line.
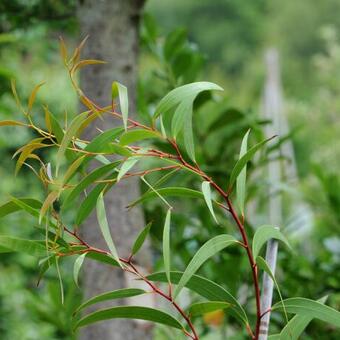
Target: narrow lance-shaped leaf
60	280
265	233
208	249
310	308
130	312
50	199
241	178
69	134
262	264
240	164
31	247
166	244
137	135
295	326
207	196
201	308
140	239
207	289
126	166
116	294
104	227
77	265
119	90
33	95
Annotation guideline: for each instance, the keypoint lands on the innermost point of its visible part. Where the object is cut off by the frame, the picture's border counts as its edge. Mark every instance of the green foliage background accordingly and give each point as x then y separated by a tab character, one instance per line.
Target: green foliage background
224	42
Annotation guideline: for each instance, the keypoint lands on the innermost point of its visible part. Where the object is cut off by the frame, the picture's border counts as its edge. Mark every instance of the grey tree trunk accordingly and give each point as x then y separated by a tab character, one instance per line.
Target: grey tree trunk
112	26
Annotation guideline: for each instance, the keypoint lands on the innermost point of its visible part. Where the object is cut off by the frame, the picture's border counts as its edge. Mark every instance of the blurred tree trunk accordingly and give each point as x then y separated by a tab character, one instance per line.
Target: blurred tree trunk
112	26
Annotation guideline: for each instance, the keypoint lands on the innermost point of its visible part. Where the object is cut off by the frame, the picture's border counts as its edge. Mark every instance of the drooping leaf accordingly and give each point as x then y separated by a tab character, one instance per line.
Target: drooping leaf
115	294
119	90
201	308
241	178
262	264
295	326
88	180
309	308
130	312
104	226
50	199
265	233
208	249
126	166
137	135
241	163
60	280
140	239
182	113
77	265
181	93
31	247
69	134
31	99
166	244
207	196
207	289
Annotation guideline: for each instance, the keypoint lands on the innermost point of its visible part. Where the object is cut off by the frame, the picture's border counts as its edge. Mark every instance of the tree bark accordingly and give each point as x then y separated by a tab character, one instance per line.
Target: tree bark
112	27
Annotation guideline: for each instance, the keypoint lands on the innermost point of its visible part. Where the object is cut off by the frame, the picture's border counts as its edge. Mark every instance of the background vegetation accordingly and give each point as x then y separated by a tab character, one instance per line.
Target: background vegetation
220	41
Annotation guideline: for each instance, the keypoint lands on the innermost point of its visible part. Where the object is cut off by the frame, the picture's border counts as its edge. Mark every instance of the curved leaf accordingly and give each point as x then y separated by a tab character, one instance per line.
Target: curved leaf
208	249
119	90
207	289
11	206
140	239
77	265
207	196
166	244
241	178
310	308
130	312
265	233
116	294
241	163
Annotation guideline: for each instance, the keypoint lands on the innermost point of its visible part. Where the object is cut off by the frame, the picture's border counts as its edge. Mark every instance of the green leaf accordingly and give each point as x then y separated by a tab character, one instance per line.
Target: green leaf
11	206
241	178
182	113
241	163
174	42
60	280
126	166
140	239
130	312
104	226
166	244
207	196
119	90
209	249
100	143
72	169
56	128
171	191
69	134
77	265
309	308
206	288
137	135
265	233
87	180
89	203
201	308
262	264
295	326
103	258
116	294
31	247
181	93
189	137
